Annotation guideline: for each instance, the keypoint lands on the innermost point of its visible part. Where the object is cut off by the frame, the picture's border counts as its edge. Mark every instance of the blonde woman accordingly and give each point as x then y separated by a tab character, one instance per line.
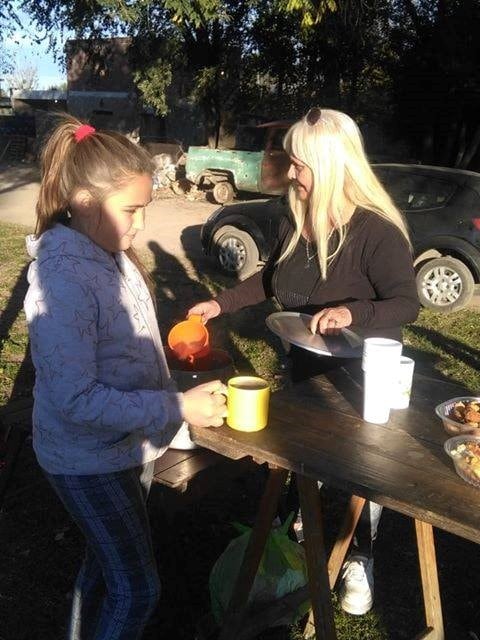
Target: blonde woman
342	255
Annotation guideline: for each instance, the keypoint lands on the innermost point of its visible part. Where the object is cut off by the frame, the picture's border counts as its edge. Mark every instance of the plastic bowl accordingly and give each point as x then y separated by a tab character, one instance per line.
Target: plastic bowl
462	467
452	426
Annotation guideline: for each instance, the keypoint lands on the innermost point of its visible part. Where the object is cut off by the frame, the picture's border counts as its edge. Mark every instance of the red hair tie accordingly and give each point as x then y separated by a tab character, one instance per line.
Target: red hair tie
83	131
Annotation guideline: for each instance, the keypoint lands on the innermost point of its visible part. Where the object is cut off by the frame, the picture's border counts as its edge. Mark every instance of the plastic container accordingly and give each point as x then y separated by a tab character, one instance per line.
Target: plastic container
189	339
462	466
452	426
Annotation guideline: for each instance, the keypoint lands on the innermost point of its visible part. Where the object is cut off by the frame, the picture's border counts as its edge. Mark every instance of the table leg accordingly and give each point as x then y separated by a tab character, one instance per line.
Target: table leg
430	586
316	559
253	554
344	538
340	548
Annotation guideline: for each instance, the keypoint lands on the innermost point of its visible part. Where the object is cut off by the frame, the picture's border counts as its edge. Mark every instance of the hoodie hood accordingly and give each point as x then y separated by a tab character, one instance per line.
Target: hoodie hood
61	240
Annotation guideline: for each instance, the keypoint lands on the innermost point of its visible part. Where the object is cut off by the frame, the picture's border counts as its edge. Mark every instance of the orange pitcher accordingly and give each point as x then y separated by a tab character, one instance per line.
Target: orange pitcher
189	339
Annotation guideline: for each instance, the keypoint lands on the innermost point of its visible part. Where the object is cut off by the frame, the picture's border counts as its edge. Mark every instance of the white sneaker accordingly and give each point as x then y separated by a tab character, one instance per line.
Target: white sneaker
298	528
356	592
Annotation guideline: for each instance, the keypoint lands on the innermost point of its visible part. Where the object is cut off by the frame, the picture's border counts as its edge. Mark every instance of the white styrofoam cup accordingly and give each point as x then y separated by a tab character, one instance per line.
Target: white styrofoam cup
380	363
403	386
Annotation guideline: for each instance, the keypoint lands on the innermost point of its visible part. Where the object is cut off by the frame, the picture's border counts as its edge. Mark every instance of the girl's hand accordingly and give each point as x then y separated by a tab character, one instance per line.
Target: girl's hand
208	310
205	405
329	321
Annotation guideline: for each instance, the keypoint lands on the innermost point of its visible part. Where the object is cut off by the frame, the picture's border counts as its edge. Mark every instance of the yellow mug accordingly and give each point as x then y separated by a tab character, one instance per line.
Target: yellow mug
248	398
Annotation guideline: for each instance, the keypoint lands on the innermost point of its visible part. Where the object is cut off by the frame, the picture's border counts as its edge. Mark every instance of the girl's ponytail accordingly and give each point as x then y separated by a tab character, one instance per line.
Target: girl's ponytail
52	204
77	156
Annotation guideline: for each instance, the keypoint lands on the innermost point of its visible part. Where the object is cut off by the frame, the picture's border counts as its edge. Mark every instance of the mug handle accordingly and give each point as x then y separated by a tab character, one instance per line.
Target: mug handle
223	393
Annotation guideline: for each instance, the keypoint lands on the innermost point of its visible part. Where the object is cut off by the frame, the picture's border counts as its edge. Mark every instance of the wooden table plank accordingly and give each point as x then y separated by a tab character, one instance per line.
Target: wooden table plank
400	465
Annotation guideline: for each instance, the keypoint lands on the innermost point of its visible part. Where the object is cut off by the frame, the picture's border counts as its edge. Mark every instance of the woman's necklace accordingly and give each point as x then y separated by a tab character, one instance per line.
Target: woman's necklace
309	257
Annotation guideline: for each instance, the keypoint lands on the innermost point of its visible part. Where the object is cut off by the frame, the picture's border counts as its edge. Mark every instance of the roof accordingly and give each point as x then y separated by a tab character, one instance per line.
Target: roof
280	124
48	94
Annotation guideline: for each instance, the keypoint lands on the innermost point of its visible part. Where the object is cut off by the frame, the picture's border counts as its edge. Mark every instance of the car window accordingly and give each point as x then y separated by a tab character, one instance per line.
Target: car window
382	175
412	192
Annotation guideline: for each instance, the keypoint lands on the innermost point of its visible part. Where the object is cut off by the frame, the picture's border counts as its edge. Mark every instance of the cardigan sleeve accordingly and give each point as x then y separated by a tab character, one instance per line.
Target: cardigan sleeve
257	287
389	267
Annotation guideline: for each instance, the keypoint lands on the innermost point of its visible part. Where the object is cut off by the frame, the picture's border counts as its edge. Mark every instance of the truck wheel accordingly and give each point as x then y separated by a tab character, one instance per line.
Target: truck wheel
444	284
223	192
236	252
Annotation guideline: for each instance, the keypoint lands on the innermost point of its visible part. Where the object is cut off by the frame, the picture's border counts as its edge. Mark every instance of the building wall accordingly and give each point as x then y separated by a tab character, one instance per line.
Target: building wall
100	85
99	65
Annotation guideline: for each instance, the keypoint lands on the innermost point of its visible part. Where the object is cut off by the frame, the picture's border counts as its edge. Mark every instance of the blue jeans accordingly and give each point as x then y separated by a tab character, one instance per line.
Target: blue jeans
117	588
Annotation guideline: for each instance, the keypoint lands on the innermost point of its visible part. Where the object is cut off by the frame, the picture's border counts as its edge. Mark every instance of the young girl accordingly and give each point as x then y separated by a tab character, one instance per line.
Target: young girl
105	404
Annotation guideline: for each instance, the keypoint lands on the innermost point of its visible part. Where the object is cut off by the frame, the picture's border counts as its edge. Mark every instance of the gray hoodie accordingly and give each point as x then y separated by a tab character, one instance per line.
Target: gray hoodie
104	398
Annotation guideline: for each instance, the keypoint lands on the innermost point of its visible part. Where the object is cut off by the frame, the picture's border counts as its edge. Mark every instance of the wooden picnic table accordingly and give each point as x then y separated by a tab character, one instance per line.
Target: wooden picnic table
315	430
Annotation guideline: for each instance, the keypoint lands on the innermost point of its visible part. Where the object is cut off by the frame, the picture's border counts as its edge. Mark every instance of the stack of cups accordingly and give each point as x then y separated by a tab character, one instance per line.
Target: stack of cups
403	387
380	364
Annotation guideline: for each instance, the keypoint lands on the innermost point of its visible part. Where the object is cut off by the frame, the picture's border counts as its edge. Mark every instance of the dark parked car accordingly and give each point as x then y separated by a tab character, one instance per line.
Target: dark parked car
442	207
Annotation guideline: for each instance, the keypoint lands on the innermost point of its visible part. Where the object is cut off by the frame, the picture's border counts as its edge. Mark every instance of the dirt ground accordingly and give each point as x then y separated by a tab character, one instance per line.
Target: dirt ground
171	221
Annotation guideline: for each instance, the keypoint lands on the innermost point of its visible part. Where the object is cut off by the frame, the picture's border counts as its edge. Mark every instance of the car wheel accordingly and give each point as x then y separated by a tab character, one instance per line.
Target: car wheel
236	251
445	284
223	192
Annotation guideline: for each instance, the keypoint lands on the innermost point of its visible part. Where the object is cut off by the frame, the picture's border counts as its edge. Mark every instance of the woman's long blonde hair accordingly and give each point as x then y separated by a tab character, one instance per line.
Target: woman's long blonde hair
333	150
100	163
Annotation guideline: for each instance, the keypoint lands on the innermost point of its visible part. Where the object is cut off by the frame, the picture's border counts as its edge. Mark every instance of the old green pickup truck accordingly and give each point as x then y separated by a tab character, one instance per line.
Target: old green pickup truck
257	164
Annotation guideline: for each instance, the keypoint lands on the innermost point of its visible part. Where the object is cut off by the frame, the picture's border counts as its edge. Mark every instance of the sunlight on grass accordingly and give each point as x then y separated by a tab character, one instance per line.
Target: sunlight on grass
454	342
13	330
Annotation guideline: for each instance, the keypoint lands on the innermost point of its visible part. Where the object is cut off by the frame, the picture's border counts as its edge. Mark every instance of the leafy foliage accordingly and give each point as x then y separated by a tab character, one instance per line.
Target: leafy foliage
153	82
410	67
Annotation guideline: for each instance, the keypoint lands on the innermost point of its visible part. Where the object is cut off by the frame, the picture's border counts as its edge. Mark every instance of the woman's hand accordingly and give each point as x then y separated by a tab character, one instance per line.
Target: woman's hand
208	310
205	405
329	321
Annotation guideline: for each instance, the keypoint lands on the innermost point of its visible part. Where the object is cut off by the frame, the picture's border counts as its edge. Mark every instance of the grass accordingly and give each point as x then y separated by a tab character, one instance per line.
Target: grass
443	345
13	331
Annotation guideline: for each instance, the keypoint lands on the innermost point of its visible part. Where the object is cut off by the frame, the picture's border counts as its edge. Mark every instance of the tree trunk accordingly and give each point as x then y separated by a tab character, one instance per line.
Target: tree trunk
471	150
461	145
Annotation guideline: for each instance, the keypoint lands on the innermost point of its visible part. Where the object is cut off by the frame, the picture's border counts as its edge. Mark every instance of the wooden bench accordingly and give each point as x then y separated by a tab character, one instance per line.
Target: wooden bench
186	476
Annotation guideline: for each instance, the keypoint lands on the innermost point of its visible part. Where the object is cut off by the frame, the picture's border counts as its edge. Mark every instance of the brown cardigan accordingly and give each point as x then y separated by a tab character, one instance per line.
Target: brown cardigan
372	276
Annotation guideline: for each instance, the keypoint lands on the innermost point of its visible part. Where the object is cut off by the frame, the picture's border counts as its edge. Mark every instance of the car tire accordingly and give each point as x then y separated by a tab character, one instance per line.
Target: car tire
223	192
235	251
444	284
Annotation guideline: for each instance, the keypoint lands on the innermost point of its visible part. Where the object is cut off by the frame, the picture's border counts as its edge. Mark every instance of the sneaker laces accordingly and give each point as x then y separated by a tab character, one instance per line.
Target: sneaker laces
355	570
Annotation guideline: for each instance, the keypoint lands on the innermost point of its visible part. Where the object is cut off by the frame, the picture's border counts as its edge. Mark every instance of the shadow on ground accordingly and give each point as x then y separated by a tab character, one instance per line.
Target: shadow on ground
16	175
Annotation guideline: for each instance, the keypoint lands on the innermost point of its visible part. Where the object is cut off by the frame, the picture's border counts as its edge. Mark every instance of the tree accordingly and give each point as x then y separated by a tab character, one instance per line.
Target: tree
205	43
8	21
436	79
24	77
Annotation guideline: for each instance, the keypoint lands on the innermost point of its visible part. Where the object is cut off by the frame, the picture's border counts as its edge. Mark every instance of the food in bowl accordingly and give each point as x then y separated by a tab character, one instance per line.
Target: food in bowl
467	412
460	415
465	453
